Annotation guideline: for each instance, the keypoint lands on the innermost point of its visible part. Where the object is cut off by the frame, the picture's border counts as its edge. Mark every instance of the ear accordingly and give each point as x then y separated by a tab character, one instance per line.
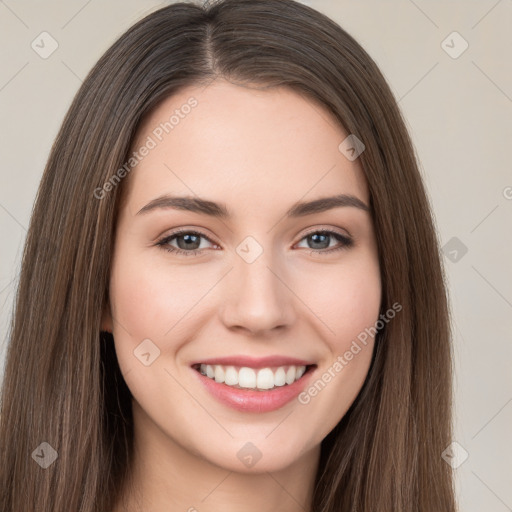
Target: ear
106	319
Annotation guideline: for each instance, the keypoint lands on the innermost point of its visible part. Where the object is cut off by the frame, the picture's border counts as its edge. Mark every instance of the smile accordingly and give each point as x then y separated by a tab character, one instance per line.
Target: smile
254	385
252	378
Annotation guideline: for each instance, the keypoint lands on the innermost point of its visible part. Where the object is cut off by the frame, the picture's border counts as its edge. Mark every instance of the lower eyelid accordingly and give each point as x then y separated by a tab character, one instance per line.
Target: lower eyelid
345	241
167	239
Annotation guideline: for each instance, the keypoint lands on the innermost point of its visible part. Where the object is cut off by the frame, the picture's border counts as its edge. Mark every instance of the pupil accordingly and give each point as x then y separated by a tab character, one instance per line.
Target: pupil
188	238
315	240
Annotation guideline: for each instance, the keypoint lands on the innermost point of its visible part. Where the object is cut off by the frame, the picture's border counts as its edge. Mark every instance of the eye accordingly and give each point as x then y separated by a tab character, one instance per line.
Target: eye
320	241
188	242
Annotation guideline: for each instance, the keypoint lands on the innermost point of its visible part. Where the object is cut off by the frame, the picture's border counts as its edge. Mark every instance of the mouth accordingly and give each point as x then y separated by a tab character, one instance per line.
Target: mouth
261	379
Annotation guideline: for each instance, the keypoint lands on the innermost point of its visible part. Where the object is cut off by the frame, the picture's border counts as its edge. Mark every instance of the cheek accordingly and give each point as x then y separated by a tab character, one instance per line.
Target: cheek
148	304
149	299
345	298
349	307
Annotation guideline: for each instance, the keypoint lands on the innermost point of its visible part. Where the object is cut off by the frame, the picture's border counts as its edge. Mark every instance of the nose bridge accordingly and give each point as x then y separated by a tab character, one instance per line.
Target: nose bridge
257	298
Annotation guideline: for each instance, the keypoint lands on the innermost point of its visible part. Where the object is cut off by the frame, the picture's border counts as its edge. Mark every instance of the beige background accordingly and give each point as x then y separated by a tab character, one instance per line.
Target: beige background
459	112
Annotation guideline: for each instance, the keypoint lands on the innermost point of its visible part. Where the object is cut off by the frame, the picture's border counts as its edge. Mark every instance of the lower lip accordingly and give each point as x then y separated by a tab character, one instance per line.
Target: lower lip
248	400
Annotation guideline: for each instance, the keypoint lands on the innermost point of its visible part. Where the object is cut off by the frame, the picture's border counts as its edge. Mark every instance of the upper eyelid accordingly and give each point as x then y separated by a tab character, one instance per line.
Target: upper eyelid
182	231
197	231
330	230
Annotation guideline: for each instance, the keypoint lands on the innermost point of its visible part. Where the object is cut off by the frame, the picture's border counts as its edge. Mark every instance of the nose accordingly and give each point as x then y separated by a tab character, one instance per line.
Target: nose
258	299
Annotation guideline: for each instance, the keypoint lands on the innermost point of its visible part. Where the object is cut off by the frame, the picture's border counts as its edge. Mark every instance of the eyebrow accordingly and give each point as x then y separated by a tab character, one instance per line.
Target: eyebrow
220	210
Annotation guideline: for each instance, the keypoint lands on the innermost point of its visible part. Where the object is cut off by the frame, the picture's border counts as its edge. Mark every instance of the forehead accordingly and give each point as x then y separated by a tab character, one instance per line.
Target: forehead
254	146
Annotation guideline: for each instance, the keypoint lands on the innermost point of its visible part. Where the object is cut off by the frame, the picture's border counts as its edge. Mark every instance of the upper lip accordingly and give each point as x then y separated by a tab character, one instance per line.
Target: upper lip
255	362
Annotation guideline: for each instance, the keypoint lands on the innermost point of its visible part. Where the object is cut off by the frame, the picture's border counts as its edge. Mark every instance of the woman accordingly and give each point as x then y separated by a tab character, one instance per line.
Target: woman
301	359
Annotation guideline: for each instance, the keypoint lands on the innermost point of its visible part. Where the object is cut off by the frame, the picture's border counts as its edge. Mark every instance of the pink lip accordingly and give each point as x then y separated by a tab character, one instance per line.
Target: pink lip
255	362
248	400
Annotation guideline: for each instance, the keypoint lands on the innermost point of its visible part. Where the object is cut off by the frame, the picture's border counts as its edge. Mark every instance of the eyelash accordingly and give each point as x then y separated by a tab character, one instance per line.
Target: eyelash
346	242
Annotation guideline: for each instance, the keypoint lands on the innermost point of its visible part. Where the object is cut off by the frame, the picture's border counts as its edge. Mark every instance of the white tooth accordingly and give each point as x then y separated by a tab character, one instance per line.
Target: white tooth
247	378
290	375
231	376
300	372
280	377
250	378
265	379
219	373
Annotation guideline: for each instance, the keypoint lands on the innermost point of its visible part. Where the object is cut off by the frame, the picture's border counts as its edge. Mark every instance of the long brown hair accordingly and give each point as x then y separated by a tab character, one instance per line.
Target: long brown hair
62	383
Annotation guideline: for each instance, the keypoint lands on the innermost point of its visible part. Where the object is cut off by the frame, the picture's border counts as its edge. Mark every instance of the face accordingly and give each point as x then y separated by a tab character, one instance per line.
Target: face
260	292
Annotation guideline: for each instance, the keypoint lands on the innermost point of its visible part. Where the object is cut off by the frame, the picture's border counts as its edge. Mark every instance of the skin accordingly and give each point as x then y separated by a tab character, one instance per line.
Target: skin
258	152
